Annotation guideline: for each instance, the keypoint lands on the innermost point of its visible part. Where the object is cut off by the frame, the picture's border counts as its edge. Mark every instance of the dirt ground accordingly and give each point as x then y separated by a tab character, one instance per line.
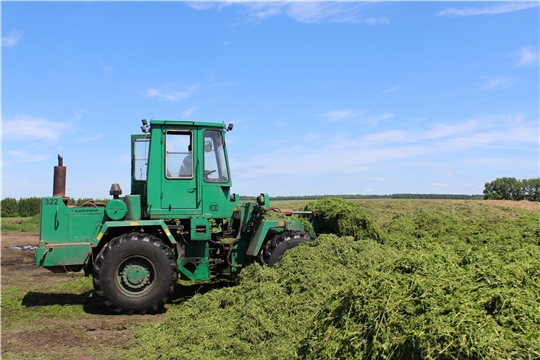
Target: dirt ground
94	335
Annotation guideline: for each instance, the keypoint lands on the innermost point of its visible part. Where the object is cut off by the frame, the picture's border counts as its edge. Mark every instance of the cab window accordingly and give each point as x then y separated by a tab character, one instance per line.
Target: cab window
140	166
215	164
178	154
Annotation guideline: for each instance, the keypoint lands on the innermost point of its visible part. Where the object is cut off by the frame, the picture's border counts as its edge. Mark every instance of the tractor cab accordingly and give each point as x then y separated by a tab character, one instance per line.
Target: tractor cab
180	169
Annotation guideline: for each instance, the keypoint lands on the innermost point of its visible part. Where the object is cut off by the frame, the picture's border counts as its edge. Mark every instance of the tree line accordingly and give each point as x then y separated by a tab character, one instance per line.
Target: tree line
367	197
25	207
509	188
506	188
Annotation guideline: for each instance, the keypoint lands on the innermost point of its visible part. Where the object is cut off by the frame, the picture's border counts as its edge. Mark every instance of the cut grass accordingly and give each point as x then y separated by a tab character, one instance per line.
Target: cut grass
450	282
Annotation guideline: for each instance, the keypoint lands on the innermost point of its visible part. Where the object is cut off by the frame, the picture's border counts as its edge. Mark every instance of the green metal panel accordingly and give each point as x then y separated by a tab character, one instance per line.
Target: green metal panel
200	228
135	225
194	265
180	192
260	234
217	202
133	204
265	226
66	254
84	227
60	224
168	195
116	209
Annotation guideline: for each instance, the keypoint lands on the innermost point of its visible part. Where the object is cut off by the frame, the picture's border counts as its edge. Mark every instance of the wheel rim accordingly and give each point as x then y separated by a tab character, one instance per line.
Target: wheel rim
135	276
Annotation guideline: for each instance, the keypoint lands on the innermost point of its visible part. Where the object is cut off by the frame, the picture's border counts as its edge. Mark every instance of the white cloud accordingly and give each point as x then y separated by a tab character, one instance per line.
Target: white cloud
375	118
187	113
28	128
387	136
21	156
338	159
498	83
168	94
104	66
439	131
528	56
262	10
390	90
330	12
208	5
335	115
307	12
89	138
12	39
364	116
488	10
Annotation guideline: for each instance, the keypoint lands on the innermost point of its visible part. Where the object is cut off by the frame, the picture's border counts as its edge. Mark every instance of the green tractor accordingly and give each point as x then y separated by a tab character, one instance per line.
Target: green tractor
180	220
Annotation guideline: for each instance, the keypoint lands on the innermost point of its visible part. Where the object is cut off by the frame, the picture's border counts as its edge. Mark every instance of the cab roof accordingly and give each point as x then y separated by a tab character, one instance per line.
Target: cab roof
188	123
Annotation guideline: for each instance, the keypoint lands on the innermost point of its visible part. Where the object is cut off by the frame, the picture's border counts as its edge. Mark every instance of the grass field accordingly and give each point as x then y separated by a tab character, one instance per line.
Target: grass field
20	224
449	280
452	280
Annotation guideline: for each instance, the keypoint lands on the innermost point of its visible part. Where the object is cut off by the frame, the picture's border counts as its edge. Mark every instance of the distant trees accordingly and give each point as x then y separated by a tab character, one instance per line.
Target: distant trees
29	206
368	197
25	207
509	188
9	207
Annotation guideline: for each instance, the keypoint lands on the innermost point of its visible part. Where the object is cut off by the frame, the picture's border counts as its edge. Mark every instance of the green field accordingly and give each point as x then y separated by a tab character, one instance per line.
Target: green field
445	280
21	224
451	280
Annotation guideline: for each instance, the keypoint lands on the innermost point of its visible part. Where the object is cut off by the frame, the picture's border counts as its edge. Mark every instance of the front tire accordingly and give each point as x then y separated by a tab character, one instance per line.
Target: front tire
135	273
274	248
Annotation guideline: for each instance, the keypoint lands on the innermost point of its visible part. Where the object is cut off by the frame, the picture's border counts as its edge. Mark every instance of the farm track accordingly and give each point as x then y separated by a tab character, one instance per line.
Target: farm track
52	331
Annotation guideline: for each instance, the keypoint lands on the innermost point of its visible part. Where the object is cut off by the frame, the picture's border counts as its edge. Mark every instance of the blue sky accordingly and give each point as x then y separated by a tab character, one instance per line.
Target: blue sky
326	98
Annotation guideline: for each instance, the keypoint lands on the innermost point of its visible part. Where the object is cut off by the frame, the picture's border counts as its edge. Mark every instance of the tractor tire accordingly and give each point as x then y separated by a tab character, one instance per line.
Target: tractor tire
274	248
135	273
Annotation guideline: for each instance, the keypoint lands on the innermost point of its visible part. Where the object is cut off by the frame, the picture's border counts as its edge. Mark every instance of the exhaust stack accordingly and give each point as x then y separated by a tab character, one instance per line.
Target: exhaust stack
59	181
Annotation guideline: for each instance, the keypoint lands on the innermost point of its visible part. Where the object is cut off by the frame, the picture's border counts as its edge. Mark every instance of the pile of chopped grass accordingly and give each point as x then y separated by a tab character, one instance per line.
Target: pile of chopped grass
344	218
446	286
266	315
431	304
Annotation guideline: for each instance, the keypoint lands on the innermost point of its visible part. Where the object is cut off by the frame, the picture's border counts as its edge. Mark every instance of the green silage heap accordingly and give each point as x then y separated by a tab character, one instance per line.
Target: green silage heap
450	283
344	218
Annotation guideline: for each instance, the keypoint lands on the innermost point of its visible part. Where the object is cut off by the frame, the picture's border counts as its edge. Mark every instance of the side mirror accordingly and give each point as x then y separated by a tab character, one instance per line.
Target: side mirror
207	146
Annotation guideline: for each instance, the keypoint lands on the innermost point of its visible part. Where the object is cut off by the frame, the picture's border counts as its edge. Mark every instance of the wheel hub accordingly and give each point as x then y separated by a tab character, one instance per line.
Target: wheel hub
135	276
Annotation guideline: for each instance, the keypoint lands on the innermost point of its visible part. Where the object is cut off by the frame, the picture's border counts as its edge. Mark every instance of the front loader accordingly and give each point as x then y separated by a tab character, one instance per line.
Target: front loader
179	220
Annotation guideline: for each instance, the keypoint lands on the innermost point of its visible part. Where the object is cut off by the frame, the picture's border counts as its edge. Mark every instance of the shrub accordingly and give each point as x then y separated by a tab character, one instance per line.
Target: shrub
29	206
8	207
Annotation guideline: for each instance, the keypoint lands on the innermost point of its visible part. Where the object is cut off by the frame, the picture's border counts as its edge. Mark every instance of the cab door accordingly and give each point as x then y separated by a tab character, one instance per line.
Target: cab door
179	182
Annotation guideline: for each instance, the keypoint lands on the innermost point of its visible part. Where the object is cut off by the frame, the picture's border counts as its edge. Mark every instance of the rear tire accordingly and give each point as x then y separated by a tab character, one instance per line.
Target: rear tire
135	273
274	248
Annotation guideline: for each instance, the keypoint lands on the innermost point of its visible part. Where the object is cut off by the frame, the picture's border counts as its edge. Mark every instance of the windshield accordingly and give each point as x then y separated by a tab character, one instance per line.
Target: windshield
215	163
